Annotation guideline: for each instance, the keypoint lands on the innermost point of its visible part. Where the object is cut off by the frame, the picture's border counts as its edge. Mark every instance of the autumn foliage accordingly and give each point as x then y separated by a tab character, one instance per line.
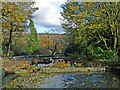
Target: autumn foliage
61	63
50	43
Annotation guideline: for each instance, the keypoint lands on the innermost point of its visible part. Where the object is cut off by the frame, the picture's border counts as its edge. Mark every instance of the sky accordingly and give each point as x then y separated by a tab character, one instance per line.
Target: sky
46	18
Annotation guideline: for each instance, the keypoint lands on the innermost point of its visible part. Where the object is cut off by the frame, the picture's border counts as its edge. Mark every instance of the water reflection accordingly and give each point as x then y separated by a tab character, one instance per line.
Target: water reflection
93	80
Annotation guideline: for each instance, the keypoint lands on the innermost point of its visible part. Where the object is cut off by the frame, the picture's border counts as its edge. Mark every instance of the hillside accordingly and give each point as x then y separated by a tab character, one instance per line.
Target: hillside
50	43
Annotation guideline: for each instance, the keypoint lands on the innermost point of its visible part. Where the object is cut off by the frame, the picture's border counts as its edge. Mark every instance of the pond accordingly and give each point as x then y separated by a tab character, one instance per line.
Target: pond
88	80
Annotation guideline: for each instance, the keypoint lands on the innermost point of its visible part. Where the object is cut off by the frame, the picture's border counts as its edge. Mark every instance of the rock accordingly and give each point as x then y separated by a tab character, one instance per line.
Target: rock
88	69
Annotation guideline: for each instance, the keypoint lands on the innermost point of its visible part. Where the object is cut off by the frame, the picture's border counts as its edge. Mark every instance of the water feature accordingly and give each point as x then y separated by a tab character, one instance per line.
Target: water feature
88	80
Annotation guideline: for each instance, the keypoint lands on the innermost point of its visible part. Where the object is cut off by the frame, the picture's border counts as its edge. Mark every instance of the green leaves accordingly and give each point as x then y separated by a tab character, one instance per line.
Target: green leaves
99	53
33	42
92	25
14	16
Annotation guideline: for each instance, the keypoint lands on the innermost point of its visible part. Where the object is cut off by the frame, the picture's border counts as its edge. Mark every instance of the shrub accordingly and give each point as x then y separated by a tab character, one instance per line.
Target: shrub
61	64
99	53
77	64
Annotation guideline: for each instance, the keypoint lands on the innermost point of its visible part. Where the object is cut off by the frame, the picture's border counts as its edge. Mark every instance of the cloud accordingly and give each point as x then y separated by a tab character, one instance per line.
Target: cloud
49	13
57	30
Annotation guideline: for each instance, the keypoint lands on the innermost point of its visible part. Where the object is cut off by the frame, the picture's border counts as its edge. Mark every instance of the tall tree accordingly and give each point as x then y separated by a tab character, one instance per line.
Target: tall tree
92	26
33	42
14	16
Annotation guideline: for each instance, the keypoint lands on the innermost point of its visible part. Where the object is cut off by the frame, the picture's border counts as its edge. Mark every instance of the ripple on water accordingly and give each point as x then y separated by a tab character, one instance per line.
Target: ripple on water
73	80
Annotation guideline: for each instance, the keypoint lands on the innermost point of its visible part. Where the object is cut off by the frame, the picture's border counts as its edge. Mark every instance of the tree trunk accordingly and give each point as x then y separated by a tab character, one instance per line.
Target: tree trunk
9	43
117	46
117	49
55	48
117	32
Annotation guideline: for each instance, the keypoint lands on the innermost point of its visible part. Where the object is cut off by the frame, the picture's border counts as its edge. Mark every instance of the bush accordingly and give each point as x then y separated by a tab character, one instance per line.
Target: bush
75	56
77	64
108	61
61	64
99	53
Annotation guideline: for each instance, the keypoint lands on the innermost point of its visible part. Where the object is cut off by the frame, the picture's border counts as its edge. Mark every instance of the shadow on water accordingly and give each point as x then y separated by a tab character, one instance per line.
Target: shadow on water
92	80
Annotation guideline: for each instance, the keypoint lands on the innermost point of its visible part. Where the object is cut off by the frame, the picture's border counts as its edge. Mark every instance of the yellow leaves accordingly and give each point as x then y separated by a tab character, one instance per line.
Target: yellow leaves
85	13
102	10
77	64
94	26
9	10
97	14
115	43
74	8
67	13
74	15
6	24
8	7
13	14
61	64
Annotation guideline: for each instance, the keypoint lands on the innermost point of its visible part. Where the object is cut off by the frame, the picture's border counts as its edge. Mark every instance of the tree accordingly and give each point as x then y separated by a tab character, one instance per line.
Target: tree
33	42
52	43
14	16
90	26
58	43
20	44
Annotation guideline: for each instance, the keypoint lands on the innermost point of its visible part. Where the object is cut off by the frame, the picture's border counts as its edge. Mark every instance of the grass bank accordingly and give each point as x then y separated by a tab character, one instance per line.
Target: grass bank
72	69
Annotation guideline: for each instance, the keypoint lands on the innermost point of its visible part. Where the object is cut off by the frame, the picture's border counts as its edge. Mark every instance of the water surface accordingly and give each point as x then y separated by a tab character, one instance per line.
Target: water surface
74	80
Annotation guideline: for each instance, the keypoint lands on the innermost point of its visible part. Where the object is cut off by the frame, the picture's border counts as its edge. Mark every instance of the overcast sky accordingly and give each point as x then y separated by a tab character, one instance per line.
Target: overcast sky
46	19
